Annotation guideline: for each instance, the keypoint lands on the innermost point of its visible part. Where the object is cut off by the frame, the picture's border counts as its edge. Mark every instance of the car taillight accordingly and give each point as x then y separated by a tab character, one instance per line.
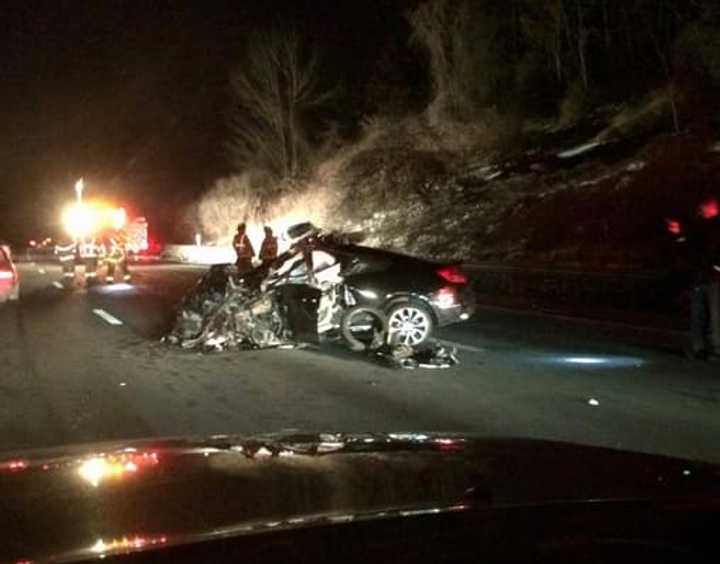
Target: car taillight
445	297
453	275
6	275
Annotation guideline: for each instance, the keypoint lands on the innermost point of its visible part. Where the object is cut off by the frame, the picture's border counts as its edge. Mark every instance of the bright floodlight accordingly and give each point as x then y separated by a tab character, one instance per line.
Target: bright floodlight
79	220
118	218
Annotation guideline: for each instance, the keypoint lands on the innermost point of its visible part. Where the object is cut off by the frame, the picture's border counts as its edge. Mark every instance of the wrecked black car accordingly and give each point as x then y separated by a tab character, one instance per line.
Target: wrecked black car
324	285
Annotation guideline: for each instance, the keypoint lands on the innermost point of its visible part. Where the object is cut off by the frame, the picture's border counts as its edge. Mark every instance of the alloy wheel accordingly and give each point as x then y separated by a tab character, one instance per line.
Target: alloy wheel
409	325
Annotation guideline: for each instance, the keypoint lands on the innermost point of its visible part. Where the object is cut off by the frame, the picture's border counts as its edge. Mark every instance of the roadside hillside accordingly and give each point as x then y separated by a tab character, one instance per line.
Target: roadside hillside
593	194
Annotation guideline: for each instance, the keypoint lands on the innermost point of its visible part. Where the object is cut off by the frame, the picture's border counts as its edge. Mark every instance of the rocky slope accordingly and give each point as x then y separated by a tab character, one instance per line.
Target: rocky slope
592	195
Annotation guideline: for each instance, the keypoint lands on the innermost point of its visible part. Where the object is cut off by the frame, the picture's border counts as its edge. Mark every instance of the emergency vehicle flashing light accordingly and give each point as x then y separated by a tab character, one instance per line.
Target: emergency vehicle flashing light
82	220
118	217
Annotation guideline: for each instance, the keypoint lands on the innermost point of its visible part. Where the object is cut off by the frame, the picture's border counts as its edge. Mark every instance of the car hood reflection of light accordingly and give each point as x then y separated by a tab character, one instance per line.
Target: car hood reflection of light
96	469
607	361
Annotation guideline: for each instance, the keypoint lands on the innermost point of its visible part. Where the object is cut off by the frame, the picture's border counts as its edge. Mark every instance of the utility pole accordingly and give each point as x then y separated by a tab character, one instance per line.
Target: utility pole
79	187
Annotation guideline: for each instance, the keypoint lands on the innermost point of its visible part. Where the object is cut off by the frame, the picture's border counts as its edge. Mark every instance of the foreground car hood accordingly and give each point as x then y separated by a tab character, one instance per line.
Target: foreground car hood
88	501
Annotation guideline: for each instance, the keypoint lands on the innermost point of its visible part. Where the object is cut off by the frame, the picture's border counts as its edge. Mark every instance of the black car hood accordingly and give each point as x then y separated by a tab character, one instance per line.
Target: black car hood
86	501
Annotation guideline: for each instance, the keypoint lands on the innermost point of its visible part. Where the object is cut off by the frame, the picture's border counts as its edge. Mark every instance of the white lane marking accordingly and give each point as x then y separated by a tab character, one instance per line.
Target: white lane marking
41	270
58	285
102	314
461	346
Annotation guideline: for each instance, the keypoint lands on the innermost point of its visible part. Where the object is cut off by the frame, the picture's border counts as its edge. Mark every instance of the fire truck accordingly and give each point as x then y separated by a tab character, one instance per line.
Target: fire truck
136	233
86	221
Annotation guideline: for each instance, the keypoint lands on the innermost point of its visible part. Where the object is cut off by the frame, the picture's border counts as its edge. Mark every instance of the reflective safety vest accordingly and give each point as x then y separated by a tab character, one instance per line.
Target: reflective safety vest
90	249
243	246
117	250
269	249
66	252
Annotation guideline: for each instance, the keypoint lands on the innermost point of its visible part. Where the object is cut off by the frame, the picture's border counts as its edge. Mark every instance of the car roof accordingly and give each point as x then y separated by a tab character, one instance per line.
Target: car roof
371	253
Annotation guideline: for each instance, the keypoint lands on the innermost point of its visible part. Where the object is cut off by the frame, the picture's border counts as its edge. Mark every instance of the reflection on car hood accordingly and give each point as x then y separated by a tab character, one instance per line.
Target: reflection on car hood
86	501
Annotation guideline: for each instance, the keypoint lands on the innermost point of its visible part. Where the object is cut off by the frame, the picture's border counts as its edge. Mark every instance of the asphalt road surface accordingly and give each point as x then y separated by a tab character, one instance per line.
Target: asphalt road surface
87	366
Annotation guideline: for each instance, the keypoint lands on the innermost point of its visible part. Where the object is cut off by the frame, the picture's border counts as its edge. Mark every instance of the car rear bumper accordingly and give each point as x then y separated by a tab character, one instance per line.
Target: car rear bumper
461	311
7	293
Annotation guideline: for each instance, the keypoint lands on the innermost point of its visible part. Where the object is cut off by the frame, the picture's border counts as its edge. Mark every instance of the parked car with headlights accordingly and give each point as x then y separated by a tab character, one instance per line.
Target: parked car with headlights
9	281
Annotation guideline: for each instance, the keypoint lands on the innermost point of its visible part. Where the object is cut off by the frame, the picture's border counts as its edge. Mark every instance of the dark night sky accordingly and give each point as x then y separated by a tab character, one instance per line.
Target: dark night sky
133	95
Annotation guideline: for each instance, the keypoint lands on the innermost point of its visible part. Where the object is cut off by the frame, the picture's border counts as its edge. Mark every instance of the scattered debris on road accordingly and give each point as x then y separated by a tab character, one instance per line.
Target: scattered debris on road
290	303
429	356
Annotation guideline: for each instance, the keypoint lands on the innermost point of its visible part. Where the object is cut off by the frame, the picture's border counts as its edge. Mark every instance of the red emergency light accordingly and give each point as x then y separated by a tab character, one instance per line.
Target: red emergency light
674	227
710	209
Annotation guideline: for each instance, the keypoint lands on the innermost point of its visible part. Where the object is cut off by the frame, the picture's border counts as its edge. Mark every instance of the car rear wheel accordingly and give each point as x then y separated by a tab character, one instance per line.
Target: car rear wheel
409	324
364	328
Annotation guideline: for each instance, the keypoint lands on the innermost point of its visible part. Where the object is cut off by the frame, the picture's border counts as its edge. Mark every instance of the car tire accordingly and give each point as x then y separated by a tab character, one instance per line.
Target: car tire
409	323
351	315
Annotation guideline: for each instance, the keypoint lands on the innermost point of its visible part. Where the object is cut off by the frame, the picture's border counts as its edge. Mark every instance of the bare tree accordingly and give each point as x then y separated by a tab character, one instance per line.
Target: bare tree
544	27
582	40
670	86
276	89
435	25
464	40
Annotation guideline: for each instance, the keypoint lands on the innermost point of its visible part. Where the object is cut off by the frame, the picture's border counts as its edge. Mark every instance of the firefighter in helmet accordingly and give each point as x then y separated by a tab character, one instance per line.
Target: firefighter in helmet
243	249
699	241
116	256
269	247
67	252
91	252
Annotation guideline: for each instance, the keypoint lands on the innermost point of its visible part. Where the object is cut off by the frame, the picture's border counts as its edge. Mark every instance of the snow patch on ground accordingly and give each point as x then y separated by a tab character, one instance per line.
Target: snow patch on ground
635	166
594	181
579	150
